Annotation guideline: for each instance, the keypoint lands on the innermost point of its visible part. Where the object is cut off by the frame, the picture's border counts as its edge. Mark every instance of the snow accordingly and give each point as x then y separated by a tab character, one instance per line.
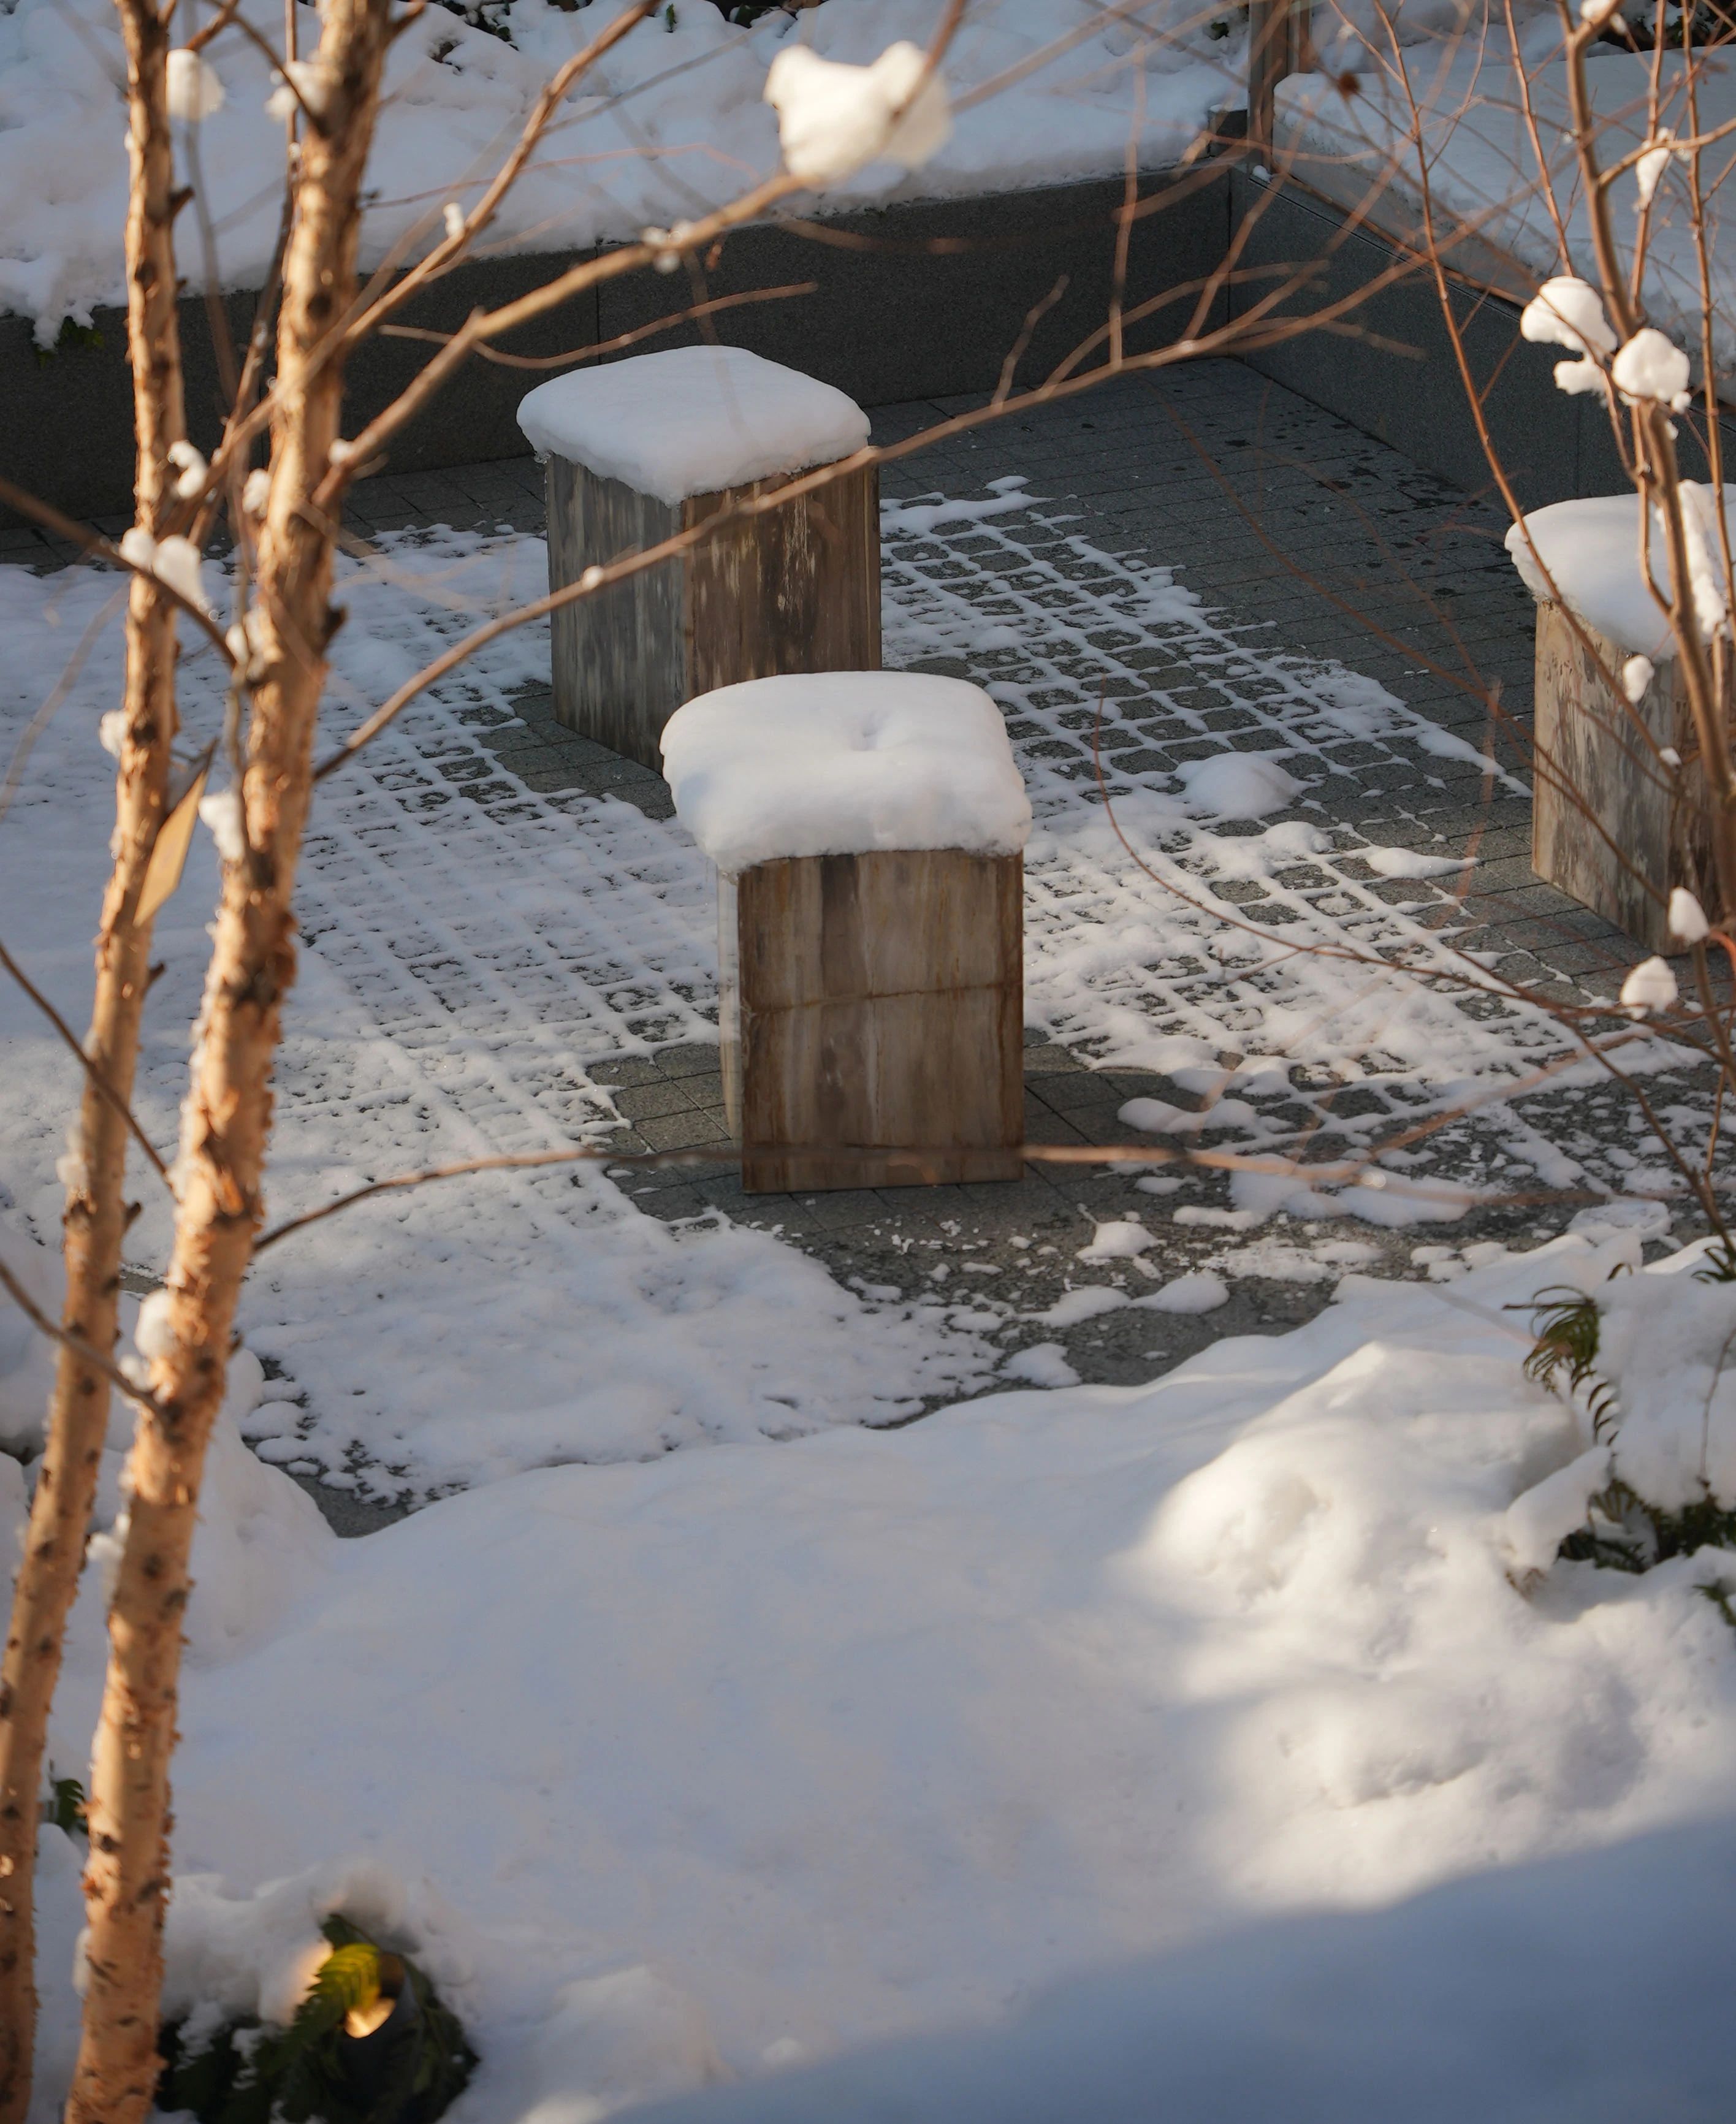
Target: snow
1237	785
1042	1365
1568	312
195	91
1650	986
1537	1523
840	762
1687	917
1198	1291
1590	550
469	971
1652	367
1488	201
834	119
1668	1354
473	968
1121	1239
1220	1702
1204	1735
1413	863
671	123
692	420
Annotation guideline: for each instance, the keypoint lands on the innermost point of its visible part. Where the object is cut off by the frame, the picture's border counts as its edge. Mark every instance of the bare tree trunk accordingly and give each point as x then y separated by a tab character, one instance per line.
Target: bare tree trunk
96	1216
227	1119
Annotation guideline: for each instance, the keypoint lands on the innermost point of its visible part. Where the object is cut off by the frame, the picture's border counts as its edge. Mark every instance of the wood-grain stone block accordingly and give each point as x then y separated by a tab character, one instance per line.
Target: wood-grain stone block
794	590
649	450
1612	827
871	1019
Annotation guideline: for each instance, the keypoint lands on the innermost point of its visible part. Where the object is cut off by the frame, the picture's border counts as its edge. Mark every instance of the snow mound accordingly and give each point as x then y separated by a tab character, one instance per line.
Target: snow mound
784	1752
255	1954
1237	785
692	420
1198	1291
1666	1340
842	762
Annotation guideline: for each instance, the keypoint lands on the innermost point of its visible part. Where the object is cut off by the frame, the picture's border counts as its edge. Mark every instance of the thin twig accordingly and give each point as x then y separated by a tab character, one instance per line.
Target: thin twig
72	1042
76	1344
105	549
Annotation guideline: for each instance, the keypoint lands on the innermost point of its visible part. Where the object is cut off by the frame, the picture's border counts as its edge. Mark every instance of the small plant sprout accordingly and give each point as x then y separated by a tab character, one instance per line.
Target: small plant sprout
1650	986
1687	917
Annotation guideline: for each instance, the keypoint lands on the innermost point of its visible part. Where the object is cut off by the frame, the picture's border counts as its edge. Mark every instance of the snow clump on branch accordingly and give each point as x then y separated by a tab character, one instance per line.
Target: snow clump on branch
1652	367
833	119
222	813
301	87
174	561
195	92
1568	312
1648	170
1650	986
1687	917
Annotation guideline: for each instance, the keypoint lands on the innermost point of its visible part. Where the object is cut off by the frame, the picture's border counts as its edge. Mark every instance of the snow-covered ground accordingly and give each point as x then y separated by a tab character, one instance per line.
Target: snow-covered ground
1230	1703
1183	1696
470	962
672	123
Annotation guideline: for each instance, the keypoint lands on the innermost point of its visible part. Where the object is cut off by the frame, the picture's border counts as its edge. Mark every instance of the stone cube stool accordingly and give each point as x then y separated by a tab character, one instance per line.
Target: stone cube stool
868	829
1593	762
640	450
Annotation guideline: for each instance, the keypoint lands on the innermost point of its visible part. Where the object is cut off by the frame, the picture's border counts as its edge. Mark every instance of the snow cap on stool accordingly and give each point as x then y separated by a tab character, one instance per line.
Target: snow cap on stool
1591	548
841	762
692	420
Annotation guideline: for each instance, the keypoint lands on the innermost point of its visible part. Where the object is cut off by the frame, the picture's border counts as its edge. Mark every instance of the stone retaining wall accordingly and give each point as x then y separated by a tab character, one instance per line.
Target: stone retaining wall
911	301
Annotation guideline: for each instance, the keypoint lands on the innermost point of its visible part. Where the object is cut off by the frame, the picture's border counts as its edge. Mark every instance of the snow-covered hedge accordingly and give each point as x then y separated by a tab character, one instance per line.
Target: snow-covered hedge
672	121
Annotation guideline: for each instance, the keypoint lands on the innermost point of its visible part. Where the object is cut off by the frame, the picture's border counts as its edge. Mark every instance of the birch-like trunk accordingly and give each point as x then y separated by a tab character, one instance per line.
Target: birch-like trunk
96	1215
226	1121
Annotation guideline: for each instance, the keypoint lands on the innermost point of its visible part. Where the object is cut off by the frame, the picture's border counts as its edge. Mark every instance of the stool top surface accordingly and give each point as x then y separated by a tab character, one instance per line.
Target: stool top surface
692	420
841	762
1591	549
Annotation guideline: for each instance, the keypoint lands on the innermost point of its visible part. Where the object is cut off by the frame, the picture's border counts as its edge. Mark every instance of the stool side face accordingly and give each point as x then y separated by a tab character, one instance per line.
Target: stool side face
881	1008
618	663
796	589
1607	822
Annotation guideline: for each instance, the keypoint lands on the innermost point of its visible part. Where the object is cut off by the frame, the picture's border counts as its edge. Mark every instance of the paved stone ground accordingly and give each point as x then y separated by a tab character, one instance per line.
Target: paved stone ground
1289	519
